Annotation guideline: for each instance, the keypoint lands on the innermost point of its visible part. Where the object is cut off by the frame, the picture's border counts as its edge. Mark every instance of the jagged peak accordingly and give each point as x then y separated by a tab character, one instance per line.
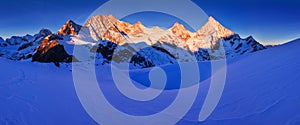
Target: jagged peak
69	22
69	28
213	20
178	26
250	37
45	32
138	24
213	26
180	31
105	19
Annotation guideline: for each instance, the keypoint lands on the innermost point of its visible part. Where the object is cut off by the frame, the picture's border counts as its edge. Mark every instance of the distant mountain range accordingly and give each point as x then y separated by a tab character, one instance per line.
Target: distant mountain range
118	41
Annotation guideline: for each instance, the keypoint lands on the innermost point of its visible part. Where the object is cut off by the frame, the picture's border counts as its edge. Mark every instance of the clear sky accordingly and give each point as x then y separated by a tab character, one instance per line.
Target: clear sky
268	21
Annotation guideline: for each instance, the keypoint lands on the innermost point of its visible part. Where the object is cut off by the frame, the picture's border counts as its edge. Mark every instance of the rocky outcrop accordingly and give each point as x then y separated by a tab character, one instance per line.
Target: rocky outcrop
236	46
51	51
148	56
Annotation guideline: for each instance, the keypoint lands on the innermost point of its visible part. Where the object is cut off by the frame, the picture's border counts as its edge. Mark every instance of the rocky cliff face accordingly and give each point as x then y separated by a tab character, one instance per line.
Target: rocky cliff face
51	51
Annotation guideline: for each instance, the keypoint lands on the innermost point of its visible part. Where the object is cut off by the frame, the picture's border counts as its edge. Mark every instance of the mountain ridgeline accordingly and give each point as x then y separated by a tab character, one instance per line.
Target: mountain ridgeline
118	41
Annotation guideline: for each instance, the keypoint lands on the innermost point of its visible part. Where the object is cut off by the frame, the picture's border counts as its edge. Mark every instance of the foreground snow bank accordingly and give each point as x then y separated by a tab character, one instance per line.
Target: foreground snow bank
261	88
38	94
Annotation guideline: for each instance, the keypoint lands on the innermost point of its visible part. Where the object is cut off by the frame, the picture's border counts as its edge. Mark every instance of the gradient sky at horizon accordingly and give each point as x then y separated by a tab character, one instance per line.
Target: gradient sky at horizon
269	21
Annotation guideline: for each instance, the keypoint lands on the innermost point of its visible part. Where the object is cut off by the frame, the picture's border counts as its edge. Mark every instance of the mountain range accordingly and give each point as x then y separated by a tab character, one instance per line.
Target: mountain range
113	40
259	88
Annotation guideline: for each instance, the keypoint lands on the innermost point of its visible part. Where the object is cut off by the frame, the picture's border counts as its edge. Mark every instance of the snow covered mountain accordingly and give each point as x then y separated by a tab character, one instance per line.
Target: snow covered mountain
133	43
42	47
261	88
22	48
180	43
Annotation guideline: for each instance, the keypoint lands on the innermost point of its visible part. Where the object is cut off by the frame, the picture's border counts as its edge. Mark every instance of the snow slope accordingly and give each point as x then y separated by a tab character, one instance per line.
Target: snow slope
261	88
38	94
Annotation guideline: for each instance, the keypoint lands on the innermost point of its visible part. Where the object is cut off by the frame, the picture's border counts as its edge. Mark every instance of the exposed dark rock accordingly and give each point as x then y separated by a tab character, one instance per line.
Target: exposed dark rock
54	54
163	50
2	42
106	48
141	61
26	45
52	51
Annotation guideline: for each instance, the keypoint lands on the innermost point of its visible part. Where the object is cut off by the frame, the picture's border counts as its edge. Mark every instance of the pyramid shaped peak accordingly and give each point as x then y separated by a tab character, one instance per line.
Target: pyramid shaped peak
70	21
250	38
213	26
213	21
45	32
178	26
176	23
211	18
69	28
138	24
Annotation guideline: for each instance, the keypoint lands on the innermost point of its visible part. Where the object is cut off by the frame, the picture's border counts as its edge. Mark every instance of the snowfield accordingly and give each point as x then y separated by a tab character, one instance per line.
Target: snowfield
261	88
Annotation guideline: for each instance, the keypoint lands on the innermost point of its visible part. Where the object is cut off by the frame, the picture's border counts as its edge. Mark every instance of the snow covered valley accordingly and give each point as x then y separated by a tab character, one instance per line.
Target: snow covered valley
262	88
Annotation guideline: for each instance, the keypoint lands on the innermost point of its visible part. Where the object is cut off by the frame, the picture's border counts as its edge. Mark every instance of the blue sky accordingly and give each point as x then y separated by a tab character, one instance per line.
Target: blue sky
267	20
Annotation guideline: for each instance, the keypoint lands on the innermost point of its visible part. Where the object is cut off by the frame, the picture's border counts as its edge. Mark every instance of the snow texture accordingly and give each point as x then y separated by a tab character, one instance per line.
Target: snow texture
262	88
